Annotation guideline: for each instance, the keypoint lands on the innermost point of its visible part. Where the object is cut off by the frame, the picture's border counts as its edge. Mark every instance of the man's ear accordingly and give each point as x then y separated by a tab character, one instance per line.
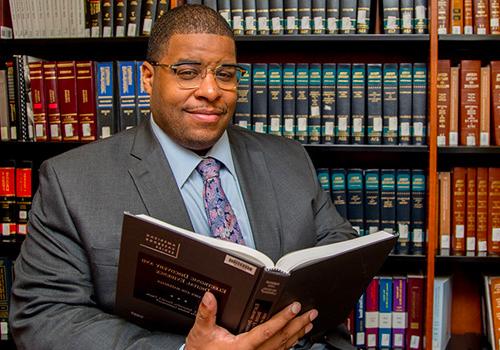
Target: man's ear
147	77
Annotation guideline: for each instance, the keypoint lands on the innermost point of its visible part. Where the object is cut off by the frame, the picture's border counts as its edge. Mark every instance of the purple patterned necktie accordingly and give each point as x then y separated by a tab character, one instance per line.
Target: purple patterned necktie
221	219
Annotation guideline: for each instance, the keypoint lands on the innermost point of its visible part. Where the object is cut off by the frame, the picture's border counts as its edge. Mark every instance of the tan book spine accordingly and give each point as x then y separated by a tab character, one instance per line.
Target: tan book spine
495	16
470	225
454	105
484	117
482	210
495	309
481	17
443	16
494	211
457	16
443	104
495	96
458	212
468	17
445	210
470	79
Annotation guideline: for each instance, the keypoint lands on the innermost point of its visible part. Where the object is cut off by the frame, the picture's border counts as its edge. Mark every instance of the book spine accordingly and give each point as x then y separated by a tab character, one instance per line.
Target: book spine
23	98
143	100
494	211
407	15
355	200
318	13
372	200
95	19
468	17
243	113
6	28
134	17
470	216
276	16
495	98
359	322
107	18
24	193
11	95
164	5
148	16
445	211
328	96
390	104
494	284
374	103
358	110
454	105
443	102
120	22
339	191
363	17
7	198
224	8
324	179
305	16
457	17
262	13
372	314
237	17
481	17
399	313
68	105
391	17
385	313
250	17
415	302
38	100
4	107
484	115
343	118
482	211
289	94
52	98
302	102
419	104
458	210
105	104
85	90
495	16
127	99
388	199
470	79
314	123
443	16
421	20
6	273
291	15
403	210
332	16
259	98
418	211
404	102
348	10
275	99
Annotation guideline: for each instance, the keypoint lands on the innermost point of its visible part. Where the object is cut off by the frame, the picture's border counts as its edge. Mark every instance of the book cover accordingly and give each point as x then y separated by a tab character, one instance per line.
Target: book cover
388	200
390	103
458	210
7	198
262	12
457	16
407	13
481	17
443	102
359	322
237	17
250	17
289	94
415	306
339	191
4	107
363	17
470	214
52	100
105	103
22	93
399	313
41	122
482	211
291	15
324	179
421	20
403	210
374	103
468	17
494	284
332	16
495	16
164	6
95	19
343	118
143	100
276	16
108	18
358	99
177	266
347	15
443	16
5	287
68	105
454	105
495	98
148	16
419	104
441	318
372	200
259	97
372	314
24	194
418	211
392	17
11	97
275	99
134	8
126	99
85	93
355	200
6	28
404	103
445	211
224	8
484	114
120	20
328	105
318	15
385	313
304	16
470	80
243	113
302	102
314	123
494	211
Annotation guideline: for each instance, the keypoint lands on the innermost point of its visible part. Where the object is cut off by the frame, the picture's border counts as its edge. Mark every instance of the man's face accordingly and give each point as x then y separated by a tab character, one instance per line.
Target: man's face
194	118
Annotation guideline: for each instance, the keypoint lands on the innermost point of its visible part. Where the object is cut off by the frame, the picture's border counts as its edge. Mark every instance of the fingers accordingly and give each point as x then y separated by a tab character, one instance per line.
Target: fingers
204	323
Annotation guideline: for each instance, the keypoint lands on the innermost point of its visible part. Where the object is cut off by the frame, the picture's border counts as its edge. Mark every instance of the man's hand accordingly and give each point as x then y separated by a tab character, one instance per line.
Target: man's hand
282	331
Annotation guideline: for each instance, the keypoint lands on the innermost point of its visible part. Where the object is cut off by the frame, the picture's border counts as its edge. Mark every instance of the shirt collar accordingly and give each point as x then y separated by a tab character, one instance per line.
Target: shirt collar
184	161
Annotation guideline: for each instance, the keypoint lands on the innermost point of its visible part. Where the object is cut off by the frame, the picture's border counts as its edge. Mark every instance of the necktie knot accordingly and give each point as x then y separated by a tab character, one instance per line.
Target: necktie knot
208	168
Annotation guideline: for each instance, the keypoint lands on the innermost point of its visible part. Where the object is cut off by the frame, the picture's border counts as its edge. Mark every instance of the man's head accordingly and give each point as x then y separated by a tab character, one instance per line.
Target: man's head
189	41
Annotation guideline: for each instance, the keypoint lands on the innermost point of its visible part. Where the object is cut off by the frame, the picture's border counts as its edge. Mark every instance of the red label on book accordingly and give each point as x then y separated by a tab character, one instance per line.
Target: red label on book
7	182
23	182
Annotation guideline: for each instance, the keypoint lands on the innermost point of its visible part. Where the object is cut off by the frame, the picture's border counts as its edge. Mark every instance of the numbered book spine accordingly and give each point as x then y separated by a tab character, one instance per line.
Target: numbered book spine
495	98
7	198
404	101
328	96
495	17
484	107
355	200
454	105
418	211
481	17
372	314
443	16
468	17
262	11
343	119
302	102
493	211
470	81
85	94
458	210
38	100
304	16
470	216
339	191
374	103
419	104
363	17
391	17
415	302
289	94
388	199
399	313
372	200
457	17
324	179
332	16
250	17
444	211
385	313
318	13
314	127
107	18
276	16
120	17
482	211
443	102
224	8
291	16
143	100
52	99
133	17
359	322
243	113
421	20
407	15
259	98
403	210
95	19
127	98
106	122
237	16
24	194
348	11
358	109
11	96
148	16
66	87
390	104
275	99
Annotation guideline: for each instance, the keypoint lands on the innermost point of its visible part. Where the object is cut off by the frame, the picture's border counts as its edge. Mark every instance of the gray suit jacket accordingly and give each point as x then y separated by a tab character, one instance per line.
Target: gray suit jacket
63	295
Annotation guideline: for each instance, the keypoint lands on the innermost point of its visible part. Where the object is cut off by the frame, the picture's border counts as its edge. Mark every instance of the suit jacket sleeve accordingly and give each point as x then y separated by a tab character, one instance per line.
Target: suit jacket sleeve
53	298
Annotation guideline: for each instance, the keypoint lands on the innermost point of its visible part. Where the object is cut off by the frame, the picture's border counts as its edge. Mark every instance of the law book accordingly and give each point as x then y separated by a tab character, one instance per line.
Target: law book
68	105
481	17
441	315
314	121
443	16
85	94
405	103
250	17
388	200
415	306
421	20
494	211
275	99
493	286
399	313
468	17
495	98
358	110
164	271
372	200
243	112
495	16
374	103
120	20
318	16
95	19
289	95
4	107
359	322
11	98
457	16
470	80
385	313
458	210
302	102
148	16
7	197
454	105
237	17
22	94
372	314
41	123
291	16
332	16
482	211
343	118
5	288
143	100
164	6
407	13
52	100
328	103
6	28
419	104
418	211
127	99
262	12
304	16
134	8
363	17
484	107
24	194
107	18
403	210
443	102
355	200
276	17
105	102
390	103
392	17
339	190
347	15
445	211
324	179
470	214
259	97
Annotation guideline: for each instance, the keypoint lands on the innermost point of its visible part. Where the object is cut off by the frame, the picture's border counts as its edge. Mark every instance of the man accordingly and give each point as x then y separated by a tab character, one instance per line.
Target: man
63	296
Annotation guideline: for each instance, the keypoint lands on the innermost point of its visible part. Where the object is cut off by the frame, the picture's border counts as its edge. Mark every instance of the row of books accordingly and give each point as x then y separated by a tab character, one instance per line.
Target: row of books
492	303
468	17
15	196
468	103
80	18
339	103
251	17
6	274
469	211
381	199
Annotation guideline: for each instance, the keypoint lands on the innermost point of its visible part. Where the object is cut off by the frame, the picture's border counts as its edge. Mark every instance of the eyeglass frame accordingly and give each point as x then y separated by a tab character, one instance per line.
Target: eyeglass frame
174	66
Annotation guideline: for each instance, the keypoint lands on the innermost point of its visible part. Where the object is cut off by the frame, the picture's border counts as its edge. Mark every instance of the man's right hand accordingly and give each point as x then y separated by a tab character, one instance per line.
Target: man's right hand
282	331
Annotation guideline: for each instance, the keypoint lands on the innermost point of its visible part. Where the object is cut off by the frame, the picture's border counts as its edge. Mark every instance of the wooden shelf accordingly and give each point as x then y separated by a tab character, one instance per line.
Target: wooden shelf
464	156
462	47
447	264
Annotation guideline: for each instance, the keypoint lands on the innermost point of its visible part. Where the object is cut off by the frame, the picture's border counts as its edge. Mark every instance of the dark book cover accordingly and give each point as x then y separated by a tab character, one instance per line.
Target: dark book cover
407	15
388	200
358	104
372	200
105	104
276	16
38	99
120	12
421	20
4	107
107	18
6	278
418	211
250	16
95	19
24	194
339	191
224	8
419	104
403	210
262	10
291	16
332	16
355	200
399	320
85	94
318	13
391	17
8	217
302	103
259	97
348	12
237	17
143	100
22	93
164	6
359	322
343	118
304	11
126	98
390	103
289	94
314	124
134	8
324	179
363	17
404	102
68	102
164	271
243	113
11	97
415	290
52	99
443	102
328	96
275	99
372	314
385	313
148	16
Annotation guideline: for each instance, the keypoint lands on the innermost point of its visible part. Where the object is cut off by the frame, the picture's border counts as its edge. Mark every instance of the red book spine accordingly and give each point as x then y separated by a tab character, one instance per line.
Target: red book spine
458	211
85	87
470	226
468	17
494	210
6	31
7	198
481	17
495	16
38	101
52	100
443	104
371	314
66	86
23	195
415	307
443	16
482	210
495	97
470	79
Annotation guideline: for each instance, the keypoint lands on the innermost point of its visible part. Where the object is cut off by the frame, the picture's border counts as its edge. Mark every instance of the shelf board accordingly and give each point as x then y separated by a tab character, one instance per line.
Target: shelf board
479	264
9	247
464	156
461	47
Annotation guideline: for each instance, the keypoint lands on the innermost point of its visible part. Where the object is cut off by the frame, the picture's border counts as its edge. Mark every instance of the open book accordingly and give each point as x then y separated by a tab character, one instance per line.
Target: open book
164	271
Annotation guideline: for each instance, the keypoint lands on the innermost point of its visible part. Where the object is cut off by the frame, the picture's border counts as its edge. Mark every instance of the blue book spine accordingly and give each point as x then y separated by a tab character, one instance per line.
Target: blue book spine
324	179
143	99
106	117
419	129
418	209
302	102
276	16
420	20
358	103
318	13
372	200
289	92
390	103
291	16
304	16
314	124
328	103
388	200
332	16
404	100
339	191
259	98
374	103
243	113
359	322
343	119
275	99
403	210
127	97
355	201
262	11
385	313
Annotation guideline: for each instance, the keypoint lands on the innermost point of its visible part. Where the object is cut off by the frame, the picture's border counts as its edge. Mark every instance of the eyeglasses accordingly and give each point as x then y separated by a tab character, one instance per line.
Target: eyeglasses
190	75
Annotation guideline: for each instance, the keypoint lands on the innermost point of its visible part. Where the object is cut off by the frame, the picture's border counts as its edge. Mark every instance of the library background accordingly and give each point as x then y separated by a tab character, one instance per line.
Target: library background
396	101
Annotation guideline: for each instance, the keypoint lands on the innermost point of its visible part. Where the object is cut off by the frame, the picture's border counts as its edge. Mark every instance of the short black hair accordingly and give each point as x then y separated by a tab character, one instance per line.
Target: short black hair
185	19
